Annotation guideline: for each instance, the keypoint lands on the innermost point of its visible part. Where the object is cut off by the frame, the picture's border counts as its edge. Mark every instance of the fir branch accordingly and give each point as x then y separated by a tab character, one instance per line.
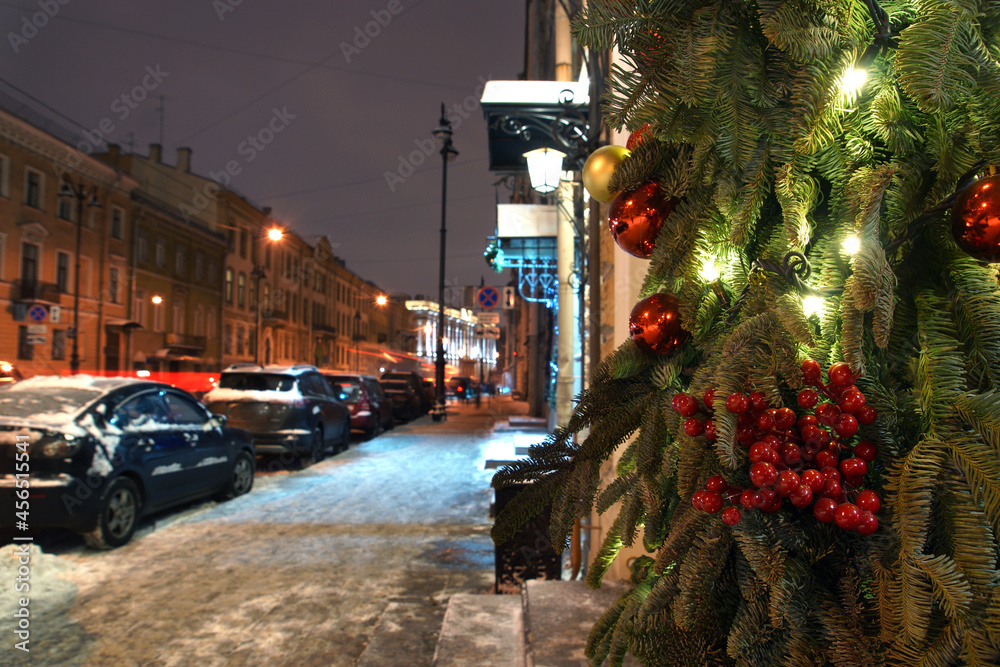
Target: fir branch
934	66
950	586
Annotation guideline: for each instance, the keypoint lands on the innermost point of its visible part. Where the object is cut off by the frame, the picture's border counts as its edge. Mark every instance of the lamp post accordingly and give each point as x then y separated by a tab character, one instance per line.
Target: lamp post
79	192
273	234
357	341
448	153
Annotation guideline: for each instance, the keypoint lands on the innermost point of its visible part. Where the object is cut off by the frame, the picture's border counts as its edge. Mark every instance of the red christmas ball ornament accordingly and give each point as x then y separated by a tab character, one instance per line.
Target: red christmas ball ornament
841	375
866	450
655	324
975	219
763	474
784	418
638	136
636	216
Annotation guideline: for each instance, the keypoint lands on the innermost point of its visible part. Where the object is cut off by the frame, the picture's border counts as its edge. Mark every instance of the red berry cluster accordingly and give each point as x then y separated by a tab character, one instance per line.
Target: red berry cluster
805	459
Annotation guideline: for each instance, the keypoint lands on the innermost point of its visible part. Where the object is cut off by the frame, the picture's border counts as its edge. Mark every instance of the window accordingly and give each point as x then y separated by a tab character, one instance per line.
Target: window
117	222
138	411
139	307
243	242
62	271
295	309
143	248
240	339
24	350
198	326
33	183
29	266
305	310
58	344
65	210
199	266
253	294
229	285
212	271
227	340
178	317
4	176
179	261
181	410
161	252
210	322
113	285
241	290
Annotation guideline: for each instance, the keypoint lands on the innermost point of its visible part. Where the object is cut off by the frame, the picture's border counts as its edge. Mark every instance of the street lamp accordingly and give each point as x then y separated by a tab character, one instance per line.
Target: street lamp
79	192
448	153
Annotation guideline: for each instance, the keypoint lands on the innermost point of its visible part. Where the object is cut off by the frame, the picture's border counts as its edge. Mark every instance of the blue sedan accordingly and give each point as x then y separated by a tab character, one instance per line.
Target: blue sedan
96	454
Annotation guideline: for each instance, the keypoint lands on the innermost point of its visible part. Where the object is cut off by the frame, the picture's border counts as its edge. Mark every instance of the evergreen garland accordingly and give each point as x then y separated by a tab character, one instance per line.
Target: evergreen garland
767	156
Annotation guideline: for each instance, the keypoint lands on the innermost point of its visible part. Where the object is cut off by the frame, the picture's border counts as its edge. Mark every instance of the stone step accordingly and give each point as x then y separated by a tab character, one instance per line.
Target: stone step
481	631
559	616
405	634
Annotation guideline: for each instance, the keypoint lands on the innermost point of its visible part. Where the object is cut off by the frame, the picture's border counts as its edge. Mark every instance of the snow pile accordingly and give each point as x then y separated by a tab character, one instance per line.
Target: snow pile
43	580
263	396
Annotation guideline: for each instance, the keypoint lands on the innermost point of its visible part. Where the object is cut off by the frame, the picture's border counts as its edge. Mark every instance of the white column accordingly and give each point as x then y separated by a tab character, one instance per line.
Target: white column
565	245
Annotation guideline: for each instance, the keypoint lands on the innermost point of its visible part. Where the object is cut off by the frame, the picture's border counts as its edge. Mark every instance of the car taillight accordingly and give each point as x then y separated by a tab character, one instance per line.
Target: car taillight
459	388
363	404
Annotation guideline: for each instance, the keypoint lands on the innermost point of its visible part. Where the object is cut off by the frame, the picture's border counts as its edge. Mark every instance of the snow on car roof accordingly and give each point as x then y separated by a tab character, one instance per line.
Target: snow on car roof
53	400
101	384
264	396
254	368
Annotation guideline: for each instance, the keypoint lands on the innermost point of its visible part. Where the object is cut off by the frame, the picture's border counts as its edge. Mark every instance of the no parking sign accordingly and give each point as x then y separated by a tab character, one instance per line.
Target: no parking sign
488	297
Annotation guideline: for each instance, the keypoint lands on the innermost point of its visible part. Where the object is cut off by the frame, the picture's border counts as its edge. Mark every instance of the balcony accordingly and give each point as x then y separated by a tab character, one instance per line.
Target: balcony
274	317
33	290
185	341
325	329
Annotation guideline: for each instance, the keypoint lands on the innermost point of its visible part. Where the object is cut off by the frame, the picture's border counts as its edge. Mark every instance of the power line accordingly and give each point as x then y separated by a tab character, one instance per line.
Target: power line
242	52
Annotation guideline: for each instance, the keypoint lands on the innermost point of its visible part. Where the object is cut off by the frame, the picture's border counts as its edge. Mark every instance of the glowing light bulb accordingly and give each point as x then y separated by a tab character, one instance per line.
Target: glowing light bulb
157	299
274	234
853	80
851	245
381	299
812	305
709	270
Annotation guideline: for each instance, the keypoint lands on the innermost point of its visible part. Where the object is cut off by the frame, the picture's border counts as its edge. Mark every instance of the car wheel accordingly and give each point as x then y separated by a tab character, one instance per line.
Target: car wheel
317	449
345	439
241	479
118	518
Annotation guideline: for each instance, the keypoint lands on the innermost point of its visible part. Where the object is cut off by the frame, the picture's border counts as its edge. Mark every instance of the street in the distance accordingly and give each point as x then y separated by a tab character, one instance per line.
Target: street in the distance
307	569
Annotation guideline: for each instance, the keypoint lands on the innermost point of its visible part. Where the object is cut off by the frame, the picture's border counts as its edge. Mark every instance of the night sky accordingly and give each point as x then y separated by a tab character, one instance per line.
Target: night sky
227	67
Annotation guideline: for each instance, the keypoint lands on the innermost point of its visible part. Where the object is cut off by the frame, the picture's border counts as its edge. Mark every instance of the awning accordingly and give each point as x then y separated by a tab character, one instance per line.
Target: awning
124	324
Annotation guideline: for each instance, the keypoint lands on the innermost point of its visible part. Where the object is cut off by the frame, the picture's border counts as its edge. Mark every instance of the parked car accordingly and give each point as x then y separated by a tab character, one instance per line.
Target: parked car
461	387
288	409
9	373
406	402
95	454
416	383
371	409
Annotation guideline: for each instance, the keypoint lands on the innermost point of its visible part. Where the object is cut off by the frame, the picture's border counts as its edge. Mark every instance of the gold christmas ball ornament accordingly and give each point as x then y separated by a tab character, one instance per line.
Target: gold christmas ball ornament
598	169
